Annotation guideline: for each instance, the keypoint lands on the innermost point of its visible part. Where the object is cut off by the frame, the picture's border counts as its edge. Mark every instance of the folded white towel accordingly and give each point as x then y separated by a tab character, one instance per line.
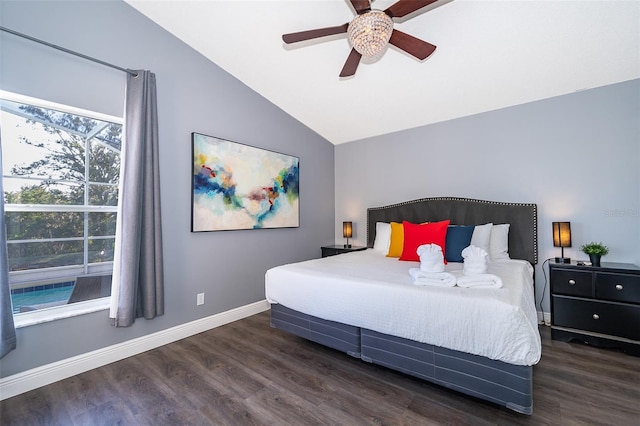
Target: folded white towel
475	260
478	281
431	258
439	279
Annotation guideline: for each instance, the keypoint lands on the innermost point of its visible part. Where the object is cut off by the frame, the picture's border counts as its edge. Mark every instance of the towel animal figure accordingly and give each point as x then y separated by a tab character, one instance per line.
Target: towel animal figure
438	279
476	260
431	258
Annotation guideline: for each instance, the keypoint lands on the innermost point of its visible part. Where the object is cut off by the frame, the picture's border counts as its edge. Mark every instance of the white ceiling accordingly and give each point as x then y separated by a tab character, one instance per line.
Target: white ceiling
490	55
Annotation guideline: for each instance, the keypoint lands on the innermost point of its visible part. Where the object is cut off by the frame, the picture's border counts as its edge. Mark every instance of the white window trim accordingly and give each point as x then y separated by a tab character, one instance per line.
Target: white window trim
26	319
40	316
59	208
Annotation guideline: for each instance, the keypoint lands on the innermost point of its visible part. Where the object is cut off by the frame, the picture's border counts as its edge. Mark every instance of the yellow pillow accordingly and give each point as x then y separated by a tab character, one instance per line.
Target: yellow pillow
397	240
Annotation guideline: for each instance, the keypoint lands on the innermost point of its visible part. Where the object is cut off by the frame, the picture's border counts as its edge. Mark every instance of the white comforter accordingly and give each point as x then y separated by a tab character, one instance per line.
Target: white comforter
368	290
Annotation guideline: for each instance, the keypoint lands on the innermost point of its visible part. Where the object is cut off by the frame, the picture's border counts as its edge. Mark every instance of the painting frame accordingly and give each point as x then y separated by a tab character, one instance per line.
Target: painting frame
235	186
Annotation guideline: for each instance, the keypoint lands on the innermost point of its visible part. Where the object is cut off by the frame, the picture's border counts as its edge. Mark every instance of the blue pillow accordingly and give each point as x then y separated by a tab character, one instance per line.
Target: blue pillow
458	238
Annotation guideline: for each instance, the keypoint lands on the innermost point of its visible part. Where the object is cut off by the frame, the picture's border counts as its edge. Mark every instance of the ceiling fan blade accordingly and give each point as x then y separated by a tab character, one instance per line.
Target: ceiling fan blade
361	6
413	46
311	34
351	65
405	7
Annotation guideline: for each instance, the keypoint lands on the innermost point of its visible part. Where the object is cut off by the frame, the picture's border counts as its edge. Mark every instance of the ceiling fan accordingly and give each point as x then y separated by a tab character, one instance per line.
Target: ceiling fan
370	32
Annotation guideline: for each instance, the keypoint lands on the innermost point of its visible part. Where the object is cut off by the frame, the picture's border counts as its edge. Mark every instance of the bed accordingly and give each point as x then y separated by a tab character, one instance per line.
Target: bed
350	303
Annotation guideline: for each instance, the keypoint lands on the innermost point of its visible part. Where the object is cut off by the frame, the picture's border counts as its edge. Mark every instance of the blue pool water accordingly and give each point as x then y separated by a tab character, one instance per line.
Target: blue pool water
31	296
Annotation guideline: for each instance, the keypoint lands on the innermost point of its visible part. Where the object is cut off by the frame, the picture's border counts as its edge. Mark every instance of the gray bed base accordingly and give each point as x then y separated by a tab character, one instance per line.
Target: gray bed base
496	381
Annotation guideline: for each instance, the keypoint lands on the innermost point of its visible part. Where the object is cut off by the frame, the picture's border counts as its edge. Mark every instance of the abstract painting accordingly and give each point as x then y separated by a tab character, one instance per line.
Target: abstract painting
237	186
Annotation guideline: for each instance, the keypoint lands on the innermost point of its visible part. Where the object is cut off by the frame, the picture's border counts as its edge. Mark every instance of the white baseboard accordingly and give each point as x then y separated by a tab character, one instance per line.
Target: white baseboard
41	376
544	318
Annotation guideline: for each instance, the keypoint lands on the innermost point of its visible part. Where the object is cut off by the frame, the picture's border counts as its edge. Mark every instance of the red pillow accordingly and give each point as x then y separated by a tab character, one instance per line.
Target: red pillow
416	235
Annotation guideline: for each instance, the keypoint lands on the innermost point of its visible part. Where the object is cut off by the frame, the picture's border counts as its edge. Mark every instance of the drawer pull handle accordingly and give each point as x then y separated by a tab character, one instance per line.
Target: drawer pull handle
572	282
619	287
596	316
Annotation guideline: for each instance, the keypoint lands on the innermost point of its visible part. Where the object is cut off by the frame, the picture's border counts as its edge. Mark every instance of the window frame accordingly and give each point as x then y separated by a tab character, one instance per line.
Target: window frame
46	275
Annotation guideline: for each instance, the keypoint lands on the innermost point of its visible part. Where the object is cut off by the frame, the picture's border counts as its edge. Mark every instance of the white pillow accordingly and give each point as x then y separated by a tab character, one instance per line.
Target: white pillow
499	242
482	236
383	237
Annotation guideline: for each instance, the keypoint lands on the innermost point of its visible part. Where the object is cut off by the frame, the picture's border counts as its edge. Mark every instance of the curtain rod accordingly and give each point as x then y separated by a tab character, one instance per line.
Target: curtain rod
133	73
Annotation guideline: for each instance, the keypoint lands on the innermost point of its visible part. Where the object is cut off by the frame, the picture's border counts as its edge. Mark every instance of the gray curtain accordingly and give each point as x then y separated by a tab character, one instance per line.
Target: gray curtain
8	330
138	284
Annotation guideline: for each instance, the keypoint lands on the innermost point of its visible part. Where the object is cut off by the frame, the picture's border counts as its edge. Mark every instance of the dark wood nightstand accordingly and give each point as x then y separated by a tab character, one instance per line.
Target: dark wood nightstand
597	305
339	249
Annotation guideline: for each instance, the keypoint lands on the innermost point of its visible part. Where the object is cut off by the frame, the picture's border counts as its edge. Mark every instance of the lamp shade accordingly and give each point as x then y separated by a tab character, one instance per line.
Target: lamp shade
347	229
562	234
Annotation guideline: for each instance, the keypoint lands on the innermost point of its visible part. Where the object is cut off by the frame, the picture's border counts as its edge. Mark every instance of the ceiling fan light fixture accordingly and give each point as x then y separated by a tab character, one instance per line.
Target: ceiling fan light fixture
370	32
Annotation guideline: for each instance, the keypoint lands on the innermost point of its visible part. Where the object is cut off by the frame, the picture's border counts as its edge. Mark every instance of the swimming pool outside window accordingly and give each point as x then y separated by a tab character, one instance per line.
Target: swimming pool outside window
61	168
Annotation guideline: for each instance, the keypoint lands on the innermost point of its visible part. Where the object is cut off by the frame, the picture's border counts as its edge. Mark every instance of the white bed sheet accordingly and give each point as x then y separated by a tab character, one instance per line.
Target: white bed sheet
369	290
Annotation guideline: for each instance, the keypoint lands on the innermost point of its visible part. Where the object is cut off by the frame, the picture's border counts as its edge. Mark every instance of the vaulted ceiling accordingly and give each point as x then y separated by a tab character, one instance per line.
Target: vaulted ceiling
490	55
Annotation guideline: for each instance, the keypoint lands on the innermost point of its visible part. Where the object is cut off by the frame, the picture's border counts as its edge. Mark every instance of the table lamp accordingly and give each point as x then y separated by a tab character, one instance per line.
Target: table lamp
562	239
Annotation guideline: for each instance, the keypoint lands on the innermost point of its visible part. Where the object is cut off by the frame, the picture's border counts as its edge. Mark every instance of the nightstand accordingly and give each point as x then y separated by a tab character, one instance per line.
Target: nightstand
339	249
596	305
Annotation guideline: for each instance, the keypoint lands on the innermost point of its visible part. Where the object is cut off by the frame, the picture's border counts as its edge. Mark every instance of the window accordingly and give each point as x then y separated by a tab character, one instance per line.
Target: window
61	168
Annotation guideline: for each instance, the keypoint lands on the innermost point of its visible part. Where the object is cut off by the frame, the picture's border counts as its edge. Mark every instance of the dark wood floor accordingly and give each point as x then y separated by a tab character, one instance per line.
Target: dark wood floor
246	373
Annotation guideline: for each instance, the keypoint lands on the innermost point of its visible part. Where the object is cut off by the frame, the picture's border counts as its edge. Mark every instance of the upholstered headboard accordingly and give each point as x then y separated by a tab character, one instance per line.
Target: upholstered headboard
522	217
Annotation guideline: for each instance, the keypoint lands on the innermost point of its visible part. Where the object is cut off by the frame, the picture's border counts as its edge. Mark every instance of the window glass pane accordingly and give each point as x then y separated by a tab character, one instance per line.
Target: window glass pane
43	142
102	224
43	225
103	195
101	250
55	160
38	191
105	154
23	256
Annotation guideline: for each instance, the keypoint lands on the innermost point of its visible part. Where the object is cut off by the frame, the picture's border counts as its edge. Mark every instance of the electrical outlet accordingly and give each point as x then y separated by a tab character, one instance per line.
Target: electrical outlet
200	299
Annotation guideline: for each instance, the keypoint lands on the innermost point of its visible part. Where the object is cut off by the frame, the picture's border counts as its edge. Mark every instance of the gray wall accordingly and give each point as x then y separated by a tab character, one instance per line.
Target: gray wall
576	156
193	95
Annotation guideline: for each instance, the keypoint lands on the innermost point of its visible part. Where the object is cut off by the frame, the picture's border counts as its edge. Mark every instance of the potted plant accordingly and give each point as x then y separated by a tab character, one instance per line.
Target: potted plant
595	252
